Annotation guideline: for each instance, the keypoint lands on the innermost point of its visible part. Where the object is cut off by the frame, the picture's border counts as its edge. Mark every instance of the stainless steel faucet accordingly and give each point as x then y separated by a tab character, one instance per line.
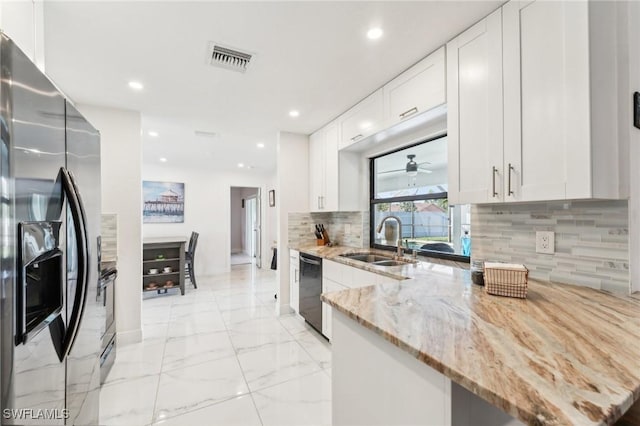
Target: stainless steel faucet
379	229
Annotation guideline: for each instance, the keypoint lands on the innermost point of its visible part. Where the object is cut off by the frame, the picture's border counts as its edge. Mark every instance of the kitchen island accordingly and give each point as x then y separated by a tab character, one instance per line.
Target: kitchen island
566	355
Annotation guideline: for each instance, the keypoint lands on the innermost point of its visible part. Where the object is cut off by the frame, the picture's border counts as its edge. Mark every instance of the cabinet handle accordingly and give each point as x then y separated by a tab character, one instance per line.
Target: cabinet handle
510	191
322	202
493	177
319	203
409	112
356	137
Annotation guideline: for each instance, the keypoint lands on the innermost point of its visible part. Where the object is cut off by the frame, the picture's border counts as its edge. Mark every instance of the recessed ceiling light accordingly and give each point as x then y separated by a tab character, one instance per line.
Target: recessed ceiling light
240	165
374	33
294	113
152	134
163	160
136	85
260	145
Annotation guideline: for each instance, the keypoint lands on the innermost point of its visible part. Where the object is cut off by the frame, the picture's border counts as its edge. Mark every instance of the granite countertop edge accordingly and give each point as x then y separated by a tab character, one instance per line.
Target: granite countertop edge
508	402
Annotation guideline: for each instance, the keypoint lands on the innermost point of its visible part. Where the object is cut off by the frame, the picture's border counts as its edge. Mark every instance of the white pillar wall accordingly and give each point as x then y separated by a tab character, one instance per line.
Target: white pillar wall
292	195
121	157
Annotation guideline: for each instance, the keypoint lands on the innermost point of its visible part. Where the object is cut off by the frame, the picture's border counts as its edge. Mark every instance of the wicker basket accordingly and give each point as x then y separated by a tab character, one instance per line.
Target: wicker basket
506	279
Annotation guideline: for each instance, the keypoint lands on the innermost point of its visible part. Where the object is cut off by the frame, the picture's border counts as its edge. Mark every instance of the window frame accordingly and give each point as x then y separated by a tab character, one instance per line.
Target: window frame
434	196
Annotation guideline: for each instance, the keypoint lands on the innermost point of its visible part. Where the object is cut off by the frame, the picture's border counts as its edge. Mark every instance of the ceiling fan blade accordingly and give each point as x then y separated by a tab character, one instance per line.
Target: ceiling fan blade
424	162
391	171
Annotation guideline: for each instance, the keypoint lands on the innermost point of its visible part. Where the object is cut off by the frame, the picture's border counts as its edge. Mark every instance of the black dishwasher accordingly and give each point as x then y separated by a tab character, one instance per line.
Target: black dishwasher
310	290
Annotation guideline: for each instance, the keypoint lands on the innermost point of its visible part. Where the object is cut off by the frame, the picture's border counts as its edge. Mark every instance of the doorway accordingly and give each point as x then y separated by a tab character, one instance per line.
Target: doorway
245	226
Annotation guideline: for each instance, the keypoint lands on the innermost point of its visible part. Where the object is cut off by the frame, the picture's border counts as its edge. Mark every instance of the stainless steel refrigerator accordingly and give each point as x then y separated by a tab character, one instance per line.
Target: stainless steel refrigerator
51	318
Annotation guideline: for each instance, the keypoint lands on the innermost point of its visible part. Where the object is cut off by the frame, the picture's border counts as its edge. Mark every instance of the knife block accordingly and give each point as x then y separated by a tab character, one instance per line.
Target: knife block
320	242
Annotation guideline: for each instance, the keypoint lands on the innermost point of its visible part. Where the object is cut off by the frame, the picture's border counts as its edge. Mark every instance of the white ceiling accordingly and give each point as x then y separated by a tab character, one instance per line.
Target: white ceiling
312	56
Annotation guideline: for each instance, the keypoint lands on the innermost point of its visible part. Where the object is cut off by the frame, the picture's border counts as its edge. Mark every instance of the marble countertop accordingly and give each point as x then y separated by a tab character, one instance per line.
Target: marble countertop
566	355
409	270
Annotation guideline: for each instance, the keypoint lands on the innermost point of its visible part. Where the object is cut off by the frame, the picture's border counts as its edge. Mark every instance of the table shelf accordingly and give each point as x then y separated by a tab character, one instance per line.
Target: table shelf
173	252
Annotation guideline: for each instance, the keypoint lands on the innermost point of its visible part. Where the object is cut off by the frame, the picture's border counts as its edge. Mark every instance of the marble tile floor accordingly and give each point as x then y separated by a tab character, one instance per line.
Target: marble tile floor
240	259
220	355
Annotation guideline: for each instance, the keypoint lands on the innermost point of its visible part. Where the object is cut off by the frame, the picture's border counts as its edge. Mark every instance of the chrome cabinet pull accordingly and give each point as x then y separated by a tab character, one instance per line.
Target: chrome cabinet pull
409	112
510	191
319	203
495	194
356	137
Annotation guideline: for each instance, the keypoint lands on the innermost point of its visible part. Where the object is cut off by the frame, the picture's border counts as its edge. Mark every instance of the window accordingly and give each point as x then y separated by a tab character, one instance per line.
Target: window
411	184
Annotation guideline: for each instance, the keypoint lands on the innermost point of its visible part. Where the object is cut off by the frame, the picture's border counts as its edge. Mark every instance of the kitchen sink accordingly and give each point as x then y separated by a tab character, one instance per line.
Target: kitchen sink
367	257
388	263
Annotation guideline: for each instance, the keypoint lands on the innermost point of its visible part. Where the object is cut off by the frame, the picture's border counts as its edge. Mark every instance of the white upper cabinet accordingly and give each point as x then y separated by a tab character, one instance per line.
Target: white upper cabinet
323	169
546	60
561	117
416	90
555	136
474	122
316	170
364	119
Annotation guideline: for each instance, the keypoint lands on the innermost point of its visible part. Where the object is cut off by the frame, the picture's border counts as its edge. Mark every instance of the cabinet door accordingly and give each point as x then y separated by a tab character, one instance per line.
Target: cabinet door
416	90
362	120
330	196
546	102
316	170
362	278
474	86
328	286
294	295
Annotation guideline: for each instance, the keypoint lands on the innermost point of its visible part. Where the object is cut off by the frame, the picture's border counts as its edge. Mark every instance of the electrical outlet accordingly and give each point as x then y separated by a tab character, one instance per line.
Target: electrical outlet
347	228
545	242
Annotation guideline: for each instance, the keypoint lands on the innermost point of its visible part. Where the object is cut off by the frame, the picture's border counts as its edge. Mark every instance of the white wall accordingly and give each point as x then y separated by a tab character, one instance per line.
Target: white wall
237	212
23	22
272	213
121	157
292	195
207	211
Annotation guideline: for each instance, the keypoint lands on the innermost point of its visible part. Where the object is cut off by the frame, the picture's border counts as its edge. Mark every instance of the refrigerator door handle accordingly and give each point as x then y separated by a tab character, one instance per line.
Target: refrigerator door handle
79	219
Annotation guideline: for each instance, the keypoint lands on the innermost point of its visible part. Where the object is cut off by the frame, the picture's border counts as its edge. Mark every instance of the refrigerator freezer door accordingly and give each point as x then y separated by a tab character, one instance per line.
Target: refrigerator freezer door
36	151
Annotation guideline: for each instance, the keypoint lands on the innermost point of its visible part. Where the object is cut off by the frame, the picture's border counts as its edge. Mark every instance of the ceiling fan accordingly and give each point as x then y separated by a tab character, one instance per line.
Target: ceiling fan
412	168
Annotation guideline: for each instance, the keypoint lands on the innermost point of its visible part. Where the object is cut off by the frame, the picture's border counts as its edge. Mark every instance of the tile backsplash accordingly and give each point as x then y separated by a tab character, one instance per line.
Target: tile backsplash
344	228
109	233
591	240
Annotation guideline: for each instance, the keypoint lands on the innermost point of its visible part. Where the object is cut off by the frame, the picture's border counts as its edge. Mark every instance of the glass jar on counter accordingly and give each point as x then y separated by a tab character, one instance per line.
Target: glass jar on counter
477	271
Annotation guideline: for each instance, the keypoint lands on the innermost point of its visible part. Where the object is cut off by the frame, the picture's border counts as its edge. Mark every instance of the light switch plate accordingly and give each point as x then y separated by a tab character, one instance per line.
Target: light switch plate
545	242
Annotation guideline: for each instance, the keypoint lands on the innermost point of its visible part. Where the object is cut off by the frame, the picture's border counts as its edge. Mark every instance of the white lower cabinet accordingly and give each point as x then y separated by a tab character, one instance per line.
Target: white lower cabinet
328	286
294	280
338	277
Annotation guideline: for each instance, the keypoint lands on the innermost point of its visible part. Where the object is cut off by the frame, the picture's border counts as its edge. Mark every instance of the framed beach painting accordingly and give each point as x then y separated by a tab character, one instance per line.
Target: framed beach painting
163	202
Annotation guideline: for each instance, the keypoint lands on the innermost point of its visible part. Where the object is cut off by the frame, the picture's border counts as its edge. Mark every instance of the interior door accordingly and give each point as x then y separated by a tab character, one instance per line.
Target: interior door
257	230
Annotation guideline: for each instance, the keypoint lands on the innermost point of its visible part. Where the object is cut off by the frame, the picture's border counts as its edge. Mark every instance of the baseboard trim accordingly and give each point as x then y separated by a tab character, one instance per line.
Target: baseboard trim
128	337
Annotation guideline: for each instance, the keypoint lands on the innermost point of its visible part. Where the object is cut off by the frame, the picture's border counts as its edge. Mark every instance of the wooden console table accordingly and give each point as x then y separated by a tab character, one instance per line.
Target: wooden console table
166	255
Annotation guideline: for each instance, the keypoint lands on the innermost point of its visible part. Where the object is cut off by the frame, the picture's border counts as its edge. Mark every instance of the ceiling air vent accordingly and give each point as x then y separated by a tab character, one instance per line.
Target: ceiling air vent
228	58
